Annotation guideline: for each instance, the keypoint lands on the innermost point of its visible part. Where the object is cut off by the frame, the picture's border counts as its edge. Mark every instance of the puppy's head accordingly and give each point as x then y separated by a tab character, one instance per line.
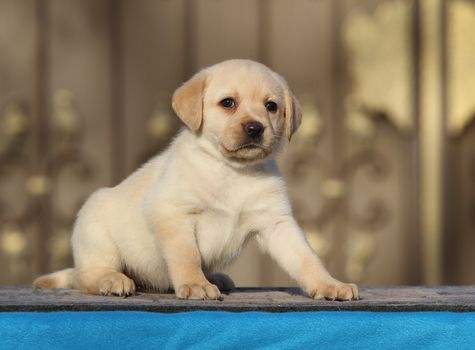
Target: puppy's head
242	107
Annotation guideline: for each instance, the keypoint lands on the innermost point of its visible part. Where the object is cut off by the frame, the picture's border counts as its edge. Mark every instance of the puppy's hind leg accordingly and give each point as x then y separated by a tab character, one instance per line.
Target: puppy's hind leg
98	262
104	281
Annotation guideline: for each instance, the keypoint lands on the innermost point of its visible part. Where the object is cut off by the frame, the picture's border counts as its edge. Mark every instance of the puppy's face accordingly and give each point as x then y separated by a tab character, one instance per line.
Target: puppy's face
243	111
241	106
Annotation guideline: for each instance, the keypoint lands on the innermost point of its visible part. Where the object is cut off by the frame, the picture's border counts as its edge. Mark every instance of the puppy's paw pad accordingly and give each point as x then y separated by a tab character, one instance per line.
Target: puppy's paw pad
334	290
117	284
198	291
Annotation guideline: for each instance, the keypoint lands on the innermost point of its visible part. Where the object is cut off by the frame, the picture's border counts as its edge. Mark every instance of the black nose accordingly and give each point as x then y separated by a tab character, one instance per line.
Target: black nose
254	129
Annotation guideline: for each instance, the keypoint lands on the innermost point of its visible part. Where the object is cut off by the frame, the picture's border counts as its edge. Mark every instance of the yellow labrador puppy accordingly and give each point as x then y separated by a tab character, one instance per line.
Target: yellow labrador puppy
187	213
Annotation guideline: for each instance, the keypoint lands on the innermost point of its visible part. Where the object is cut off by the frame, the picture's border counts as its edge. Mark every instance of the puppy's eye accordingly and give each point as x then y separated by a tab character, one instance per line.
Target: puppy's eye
271	107
227	103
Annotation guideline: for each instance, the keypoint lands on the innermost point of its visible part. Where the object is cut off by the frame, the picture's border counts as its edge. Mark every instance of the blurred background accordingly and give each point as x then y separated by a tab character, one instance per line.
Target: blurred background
381	173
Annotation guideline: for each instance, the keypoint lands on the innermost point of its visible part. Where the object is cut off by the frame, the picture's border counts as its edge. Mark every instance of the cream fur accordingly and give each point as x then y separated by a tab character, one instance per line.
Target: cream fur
188	212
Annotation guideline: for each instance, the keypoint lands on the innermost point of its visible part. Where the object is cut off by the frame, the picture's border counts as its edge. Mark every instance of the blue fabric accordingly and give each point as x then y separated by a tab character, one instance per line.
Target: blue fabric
250	330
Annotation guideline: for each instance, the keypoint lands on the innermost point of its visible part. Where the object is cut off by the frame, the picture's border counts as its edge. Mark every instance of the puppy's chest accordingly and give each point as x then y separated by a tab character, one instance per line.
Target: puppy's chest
224	224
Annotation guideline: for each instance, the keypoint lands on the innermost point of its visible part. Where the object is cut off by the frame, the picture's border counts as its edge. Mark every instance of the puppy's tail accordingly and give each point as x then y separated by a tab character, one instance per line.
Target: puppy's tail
58	279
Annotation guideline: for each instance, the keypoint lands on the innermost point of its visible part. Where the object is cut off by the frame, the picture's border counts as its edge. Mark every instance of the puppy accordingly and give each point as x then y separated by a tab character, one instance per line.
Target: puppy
188	212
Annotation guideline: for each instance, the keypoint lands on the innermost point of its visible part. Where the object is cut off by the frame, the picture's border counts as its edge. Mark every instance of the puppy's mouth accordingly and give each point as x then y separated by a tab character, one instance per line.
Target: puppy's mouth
250	151
249	146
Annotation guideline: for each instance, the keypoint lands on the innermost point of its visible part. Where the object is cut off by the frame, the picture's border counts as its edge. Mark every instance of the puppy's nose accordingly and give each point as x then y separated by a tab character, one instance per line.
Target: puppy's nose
254	129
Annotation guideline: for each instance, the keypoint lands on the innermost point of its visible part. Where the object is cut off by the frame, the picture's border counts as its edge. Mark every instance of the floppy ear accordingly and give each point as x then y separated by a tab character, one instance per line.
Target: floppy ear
187	101
293	113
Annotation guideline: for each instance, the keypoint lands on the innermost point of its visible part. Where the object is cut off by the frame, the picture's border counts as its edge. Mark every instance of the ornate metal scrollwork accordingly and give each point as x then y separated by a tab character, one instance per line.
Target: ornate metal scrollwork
379	51
302	174
379	48
161	126
335	192
64	153
65	157
380	64
15	128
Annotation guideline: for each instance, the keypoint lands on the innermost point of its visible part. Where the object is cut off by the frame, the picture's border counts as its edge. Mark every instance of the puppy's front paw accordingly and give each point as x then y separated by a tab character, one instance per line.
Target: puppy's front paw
198	291
334	290
116	283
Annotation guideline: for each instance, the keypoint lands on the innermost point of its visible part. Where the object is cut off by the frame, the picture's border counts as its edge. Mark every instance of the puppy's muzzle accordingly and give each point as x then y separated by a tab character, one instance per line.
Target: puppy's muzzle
253	130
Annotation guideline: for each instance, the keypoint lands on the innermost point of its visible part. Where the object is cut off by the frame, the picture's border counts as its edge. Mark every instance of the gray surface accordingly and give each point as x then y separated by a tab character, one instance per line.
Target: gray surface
244	299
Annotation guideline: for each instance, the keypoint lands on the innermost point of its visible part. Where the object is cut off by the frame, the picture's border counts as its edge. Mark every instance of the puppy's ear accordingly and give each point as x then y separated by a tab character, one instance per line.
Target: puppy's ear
293	113
187	101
